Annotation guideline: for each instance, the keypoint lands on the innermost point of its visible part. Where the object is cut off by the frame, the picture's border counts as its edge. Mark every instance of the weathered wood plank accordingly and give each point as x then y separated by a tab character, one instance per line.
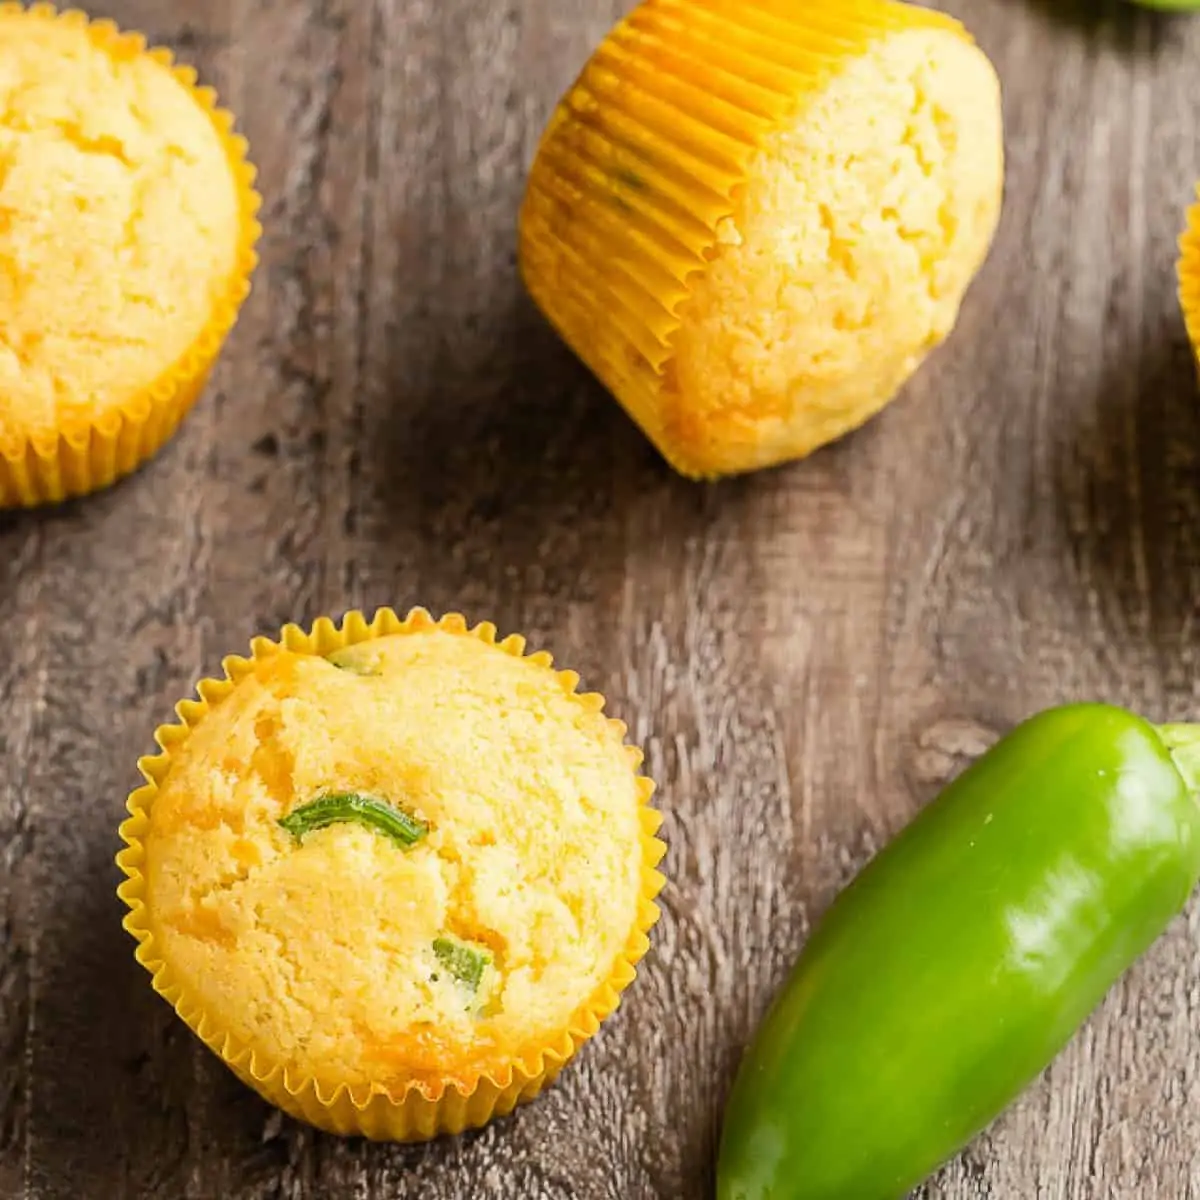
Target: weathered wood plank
807	655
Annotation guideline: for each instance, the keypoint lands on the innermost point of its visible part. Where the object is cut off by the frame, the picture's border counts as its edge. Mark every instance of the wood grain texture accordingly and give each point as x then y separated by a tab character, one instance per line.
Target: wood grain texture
807	654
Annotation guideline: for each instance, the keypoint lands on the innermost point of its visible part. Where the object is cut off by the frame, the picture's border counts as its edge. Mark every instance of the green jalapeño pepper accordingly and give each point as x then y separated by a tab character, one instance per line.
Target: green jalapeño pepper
965	956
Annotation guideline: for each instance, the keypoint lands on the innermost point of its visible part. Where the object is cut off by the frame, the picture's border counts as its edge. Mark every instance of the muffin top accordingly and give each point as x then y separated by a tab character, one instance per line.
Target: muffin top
411	862
121	221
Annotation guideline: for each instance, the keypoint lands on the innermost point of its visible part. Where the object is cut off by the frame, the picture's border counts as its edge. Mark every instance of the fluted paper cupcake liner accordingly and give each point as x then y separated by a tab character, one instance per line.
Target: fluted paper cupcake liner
88	453
421	1110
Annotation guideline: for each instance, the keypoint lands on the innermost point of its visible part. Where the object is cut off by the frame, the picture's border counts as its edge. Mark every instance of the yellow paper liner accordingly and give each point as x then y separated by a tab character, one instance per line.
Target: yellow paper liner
421	1111
88	453
1189	276
642	160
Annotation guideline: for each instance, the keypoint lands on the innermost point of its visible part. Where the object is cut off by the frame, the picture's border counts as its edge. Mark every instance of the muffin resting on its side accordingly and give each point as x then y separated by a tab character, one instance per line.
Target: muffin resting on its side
753	219
396	882
125	249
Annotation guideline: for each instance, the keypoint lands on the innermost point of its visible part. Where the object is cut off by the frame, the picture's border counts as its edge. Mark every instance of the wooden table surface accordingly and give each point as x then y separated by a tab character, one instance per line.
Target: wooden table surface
807	654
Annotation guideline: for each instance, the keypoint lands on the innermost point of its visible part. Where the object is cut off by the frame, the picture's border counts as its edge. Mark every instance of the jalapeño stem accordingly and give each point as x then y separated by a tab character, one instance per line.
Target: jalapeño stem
1183	741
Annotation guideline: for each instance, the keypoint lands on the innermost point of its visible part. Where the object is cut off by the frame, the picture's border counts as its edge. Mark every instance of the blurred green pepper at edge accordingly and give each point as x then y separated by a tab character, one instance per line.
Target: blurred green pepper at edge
964	957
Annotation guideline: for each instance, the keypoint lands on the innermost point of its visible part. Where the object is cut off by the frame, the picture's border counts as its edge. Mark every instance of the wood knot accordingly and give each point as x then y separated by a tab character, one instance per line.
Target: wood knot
948	746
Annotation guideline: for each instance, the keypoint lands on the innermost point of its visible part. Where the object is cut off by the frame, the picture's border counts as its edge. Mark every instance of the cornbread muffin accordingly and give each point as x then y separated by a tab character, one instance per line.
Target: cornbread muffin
1189	276
402	868
753	219
125	249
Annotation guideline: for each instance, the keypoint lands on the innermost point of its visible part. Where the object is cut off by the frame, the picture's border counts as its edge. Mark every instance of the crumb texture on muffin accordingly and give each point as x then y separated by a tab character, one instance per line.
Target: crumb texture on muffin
853	239
120	223
335	954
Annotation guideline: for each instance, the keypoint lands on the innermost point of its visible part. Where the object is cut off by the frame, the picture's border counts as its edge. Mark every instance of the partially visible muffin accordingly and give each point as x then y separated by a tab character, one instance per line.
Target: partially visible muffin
417	866
754	219
126	247
1189	276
